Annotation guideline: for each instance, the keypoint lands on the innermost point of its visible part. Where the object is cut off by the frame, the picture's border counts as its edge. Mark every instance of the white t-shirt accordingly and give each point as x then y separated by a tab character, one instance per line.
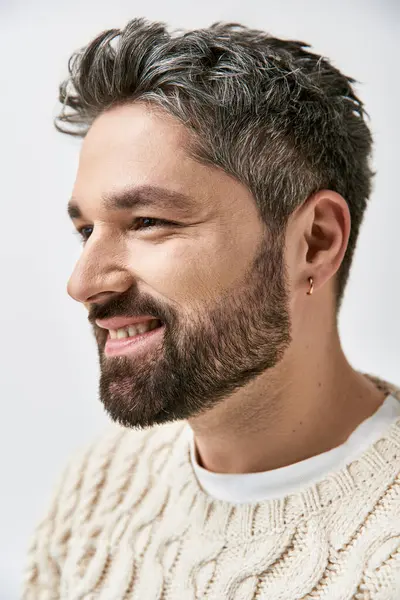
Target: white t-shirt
255	487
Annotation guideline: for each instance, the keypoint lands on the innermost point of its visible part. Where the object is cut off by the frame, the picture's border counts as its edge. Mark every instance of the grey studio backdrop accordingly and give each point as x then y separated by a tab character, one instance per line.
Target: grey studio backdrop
49	370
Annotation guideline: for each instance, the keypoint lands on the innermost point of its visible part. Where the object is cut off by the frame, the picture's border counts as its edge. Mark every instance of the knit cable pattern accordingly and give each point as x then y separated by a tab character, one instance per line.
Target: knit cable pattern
129	521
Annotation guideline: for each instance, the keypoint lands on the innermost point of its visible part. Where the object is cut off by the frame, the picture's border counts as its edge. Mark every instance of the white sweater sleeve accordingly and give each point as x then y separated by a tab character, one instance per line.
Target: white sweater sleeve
48	545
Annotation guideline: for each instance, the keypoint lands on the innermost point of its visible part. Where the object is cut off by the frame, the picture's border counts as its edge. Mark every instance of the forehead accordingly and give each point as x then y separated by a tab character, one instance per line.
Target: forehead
133	128
133	145
136	146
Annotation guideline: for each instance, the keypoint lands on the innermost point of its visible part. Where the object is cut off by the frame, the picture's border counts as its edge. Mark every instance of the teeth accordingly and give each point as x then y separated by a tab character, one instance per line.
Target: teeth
133	330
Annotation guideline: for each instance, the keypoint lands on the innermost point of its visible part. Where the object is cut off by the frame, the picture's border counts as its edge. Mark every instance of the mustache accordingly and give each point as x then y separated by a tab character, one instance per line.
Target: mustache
123	307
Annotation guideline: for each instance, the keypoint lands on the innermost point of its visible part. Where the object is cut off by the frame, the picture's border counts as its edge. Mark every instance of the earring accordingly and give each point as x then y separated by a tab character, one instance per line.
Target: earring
310	279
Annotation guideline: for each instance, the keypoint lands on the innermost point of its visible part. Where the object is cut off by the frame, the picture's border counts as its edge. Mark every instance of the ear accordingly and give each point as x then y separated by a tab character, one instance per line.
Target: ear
321	227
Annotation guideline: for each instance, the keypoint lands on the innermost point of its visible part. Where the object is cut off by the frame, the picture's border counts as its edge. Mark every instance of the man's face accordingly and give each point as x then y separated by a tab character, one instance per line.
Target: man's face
214	276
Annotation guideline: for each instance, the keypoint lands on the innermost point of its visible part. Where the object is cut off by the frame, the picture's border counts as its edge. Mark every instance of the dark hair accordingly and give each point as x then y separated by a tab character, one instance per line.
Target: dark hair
279	118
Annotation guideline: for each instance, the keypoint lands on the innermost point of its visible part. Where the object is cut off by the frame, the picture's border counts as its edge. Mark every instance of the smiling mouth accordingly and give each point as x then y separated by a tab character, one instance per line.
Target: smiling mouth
137	344
133	330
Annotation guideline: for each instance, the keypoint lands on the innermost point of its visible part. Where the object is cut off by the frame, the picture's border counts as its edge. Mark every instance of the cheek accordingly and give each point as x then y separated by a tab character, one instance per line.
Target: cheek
183	268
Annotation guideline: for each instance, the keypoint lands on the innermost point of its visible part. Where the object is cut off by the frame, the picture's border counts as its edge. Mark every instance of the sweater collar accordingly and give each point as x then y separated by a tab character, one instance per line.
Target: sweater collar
373	469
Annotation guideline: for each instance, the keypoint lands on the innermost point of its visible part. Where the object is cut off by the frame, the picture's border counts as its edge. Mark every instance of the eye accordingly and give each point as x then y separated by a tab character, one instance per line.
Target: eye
160	222
81	232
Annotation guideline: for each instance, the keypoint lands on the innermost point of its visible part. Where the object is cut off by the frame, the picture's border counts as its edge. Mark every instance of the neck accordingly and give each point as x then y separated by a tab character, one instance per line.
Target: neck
308	404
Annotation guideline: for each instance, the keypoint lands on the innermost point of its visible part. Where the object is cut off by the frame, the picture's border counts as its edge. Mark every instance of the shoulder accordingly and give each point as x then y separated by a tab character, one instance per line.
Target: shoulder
119	444
115	460
96	481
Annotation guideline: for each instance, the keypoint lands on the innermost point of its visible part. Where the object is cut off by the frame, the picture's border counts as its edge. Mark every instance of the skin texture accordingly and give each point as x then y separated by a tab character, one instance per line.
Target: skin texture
247	357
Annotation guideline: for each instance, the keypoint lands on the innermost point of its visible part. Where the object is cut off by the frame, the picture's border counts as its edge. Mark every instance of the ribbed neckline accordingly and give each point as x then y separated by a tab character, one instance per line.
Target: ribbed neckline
210	517
258	486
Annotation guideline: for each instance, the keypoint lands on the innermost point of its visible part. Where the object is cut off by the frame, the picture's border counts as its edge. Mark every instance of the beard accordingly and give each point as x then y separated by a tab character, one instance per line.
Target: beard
204	357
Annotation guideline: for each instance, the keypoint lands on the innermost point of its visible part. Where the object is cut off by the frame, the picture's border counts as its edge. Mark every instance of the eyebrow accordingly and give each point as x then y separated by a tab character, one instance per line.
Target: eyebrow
141	196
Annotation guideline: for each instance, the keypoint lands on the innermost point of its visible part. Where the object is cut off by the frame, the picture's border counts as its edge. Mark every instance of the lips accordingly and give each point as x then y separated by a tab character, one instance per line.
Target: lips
119	322
136	345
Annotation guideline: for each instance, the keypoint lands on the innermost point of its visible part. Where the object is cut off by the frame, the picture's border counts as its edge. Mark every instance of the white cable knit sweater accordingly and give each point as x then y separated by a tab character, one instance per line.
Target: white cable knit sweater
129	521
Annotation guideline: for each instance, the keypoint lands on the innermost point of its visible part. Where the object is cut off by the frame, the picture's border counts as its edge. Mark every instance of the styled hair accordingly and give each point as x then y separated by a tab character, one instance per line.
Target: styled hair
281	119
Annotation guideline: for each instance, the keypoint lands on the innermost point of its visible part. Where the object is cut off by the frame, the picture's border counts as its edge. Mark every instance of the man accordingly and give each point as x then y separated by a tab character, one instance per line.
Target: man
222	182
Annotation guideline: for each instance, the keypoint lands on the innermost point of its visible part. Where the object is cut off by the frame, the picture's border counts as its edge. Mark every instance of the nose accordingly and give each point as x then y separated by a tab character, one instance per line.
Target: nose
97	275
